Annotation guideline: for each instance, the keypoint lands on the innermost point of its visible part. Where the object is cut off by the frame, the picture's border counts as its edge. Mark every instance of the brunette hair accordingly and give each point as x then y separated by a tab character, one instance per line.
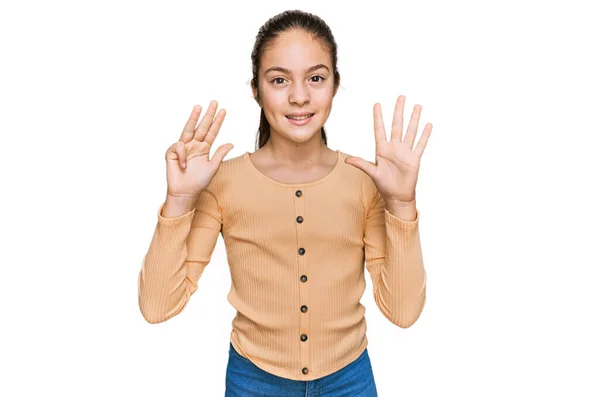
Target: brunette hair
291	19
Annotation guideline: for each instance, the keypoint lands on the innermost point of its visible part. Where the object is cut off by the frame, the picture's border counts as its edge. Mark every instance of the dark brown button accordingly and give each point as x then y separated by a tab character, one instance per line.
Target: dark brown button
304	308
303	278
301	251
303	337
304	370
299	219
298	193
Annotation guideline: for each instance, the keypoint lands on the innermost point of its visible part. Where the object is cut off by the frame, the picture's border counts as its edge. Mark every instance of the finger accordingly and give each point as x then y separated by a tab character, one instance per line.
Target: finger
378	124
206	121
215	127
188	129
423	140
398	121
181	156
364	165
220	154
411	132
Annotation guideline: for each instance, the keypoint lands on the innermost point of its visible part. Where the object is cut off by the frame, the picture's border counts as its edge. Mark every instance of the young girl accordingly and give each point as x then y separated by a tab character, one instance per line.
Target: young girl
299	221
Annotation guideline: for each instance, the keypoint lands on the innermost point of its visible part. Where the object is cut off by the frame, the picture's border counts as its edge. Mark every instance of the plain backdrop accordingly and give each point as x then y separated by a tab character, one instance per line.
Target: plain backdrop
93	93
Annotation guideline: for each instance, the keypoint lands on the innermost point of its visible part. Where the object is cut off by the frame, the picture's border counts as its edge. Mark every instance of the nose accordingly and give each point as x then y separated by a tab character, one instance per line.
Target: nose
299	93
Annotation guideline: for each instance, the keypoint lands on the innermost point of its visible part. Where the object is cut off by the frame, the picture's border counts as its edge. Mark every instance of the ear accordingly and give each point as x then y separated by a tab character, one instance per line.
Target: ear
255	95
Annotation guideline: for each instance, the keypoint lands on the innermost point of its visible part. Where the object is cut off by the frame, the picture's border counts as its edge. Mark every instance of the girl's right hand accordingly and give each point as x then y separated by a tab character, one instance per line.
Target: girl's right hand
189	171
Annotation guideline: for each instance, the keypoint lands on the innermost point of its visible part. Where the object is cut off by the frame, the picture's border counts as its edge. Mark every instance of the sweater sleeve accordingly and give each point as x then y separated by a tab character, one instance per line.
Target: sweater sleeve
180	249
394	260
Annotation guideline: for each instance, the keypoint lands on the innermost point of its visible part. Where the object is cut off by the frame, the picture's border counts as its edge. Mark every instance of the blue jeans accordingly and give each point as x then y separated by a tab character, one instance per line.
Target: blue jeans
245	379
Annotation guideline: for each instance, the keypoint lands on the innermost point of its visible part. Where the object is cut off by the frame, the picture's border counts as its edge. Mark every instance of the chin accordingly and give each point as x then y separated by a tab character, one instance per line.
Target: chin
300	137
303	133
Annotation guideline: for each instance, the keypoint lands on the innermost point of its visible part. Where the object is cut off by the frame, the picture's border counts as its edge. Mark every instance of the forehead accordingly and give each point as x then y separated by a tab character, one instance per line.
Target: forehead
295	50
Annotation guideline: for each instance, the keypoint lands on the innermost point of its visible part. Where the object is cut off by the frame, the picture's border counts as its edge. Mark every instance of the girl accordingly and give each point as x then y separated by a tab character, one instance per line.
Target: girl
299	221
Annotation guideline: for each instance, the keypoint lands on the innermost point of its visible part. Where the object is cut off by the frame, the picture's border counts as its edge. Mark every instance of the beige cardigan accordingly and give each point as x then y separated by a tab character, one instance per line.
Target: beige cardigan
297	254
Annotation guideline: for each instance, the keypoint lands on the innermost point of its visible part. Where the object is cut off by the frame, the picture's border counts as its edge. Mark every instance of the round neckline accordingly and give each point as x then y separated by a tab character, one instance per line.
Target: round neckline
338	164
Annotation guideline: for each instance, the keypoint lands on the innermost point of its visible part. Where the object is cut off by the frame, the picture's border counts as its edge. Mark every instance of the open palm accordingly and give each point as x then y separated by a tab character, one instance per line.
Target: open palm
396	169
189	170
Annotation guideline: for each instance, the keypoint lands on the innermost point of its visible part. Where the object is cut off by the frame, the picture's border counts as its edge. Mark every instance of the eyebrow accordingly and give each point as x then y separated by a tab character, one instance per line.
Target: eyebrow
284	70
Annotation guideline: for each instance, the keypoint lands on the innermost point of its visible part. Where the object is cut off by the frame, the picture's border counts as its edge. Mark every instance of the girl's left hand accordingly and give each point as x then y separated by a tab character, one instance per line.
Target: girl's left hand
396	169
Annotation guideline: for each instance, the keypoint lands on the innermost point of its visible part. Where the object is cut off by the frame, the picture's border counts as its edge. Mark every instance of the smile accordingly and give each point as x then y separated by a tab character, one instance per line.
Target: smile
300	120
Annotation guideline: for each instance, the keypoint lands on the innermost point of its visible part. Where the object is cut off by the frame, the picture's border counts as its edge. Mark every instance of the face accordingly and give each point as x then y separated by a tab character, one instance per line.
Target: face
289	84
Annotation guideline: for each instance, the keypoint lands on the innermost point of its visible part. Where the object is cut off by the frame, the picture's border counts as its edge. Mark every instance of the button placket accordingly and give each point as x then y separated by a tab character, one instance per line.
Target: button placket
303	279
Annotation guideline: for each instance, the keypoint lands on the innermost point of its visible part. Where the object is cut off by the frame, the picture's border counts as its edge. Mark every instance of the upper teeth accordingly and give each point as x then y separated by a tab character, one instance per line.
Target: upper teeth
299	117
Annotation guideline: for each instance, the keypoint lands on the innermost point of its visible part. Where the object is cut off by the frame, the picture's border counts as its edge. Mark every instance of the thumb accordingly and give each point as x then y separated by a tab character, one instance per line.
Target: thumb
366	166
220	154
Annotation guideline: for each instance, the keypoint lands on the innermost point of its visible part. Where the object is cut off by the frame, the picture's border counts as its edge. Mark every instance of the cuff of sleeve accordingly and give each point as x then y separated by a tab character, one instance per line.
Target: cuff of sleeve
179	220
401	223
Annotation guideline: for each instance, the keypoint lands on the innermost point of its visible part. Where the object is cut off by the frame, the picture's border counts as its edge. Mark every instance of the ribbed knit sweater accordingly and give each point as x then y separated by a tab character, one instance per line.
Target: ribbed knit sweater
296	254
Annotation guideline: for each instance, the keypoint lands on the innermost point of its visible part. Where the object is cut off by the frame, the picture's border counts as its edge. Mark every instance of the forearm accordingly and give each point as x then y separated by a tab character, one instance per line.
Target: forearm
404	271
161	282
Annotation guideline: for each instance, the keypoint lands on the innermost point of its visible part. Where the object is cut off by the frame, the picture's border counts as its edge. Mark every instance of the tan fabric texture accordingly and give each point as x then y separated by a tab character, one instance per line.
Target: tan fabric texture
296	254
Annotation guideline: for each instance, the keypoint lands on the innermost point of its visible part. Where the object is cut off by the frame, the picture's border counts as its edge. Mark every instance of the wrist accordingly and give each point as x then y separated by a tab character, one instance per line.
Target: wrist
405	210
176	205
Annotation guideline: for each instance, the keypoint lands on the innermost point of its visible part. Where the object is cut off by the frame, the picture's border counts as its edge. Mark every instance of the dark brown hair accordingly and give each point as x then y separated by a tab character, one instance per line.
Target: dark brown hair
291	19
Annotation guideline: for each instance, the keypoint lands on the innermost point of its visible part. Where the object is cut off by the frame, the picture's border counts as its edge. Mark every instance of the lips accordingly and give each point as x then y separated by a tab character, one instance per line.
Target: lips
299	116
301	121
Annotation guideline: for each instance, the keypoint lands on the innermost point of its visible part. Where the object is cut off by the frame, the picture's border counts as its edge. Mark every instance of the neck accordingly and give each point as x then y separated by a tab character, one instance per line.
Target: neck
294	154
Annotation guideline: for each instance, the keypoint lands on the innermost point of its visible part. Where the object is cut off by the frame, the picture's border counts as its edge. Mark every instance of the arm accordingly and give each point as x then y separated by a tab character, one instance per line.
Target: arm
180	249
394	260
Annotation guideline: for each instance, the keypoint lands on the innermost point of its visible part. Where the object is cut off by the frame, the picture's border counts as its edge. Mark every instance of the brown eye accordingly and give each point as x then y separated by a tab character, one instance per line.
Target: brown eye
275	79
320	77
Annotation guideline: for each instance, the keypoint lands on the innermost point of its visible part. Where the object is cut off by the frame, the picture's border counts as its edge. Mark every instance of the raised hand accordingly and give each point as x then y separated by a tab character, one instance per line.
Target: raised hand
189	171
396	170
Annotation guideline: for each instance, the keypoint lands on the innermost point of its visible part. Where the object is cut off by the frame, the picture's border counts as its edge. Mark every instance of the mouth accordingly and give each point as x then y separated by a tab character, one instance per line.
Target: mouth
300	120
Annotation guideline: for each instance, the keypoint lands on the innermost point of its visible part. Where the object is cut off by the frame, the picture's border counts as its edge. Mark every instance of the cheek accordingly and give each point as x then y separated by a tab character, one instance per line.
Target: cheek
275	100
270	92
323	96
324	103
275	97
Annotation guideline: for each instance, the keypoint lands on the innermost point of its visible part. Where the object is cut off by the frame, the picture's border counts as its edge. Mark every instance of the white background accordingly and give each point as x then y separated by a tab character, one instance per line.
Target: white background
93	93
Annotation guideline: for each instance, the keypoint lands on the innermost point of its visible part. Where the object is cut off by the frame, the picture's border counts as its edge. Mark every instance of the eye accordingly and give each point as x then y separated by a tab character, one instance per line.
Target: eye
313	77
